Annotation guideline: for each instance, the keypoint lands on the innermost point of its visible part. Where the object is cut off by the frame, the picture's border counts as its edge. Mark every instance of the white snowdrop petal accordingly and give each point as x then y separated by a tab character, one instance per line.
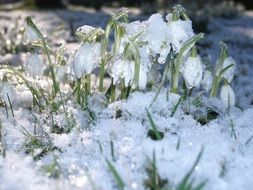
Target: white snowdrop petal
61	73
227	96
87	58
31	35
121	68
85	29
136	28
7	92
207	80
34	65
25	98
230	72
157	33
143	77
181	31
192	71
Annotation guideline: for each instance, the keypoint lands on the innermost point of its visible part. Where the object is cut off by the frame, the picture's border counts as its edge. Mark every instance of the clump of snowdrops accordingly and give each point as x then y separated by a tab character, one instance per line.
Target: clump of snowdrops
129	55
11	37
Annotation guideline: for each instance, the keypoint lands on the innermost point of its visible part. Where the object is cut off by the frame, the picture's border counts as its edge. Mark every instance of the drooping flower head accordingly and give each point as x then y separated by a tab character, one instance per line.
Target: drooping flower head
229	65
7	92
181	31
158	37
87	58
225	65
88	33
227	96
32	32
207	80
121	69
192	70
34	65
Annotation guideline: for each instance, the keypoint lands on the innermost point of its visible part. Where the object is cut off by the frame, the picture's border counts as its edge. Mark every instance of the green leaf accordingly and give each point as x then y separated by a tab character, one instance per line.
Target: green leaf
154	128
116	175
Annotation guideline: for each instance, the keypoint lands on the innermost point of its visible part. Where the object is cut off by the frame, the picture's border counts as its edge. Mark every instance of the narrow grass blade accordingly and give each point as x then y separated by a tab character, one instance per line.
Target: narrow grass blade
186	182
154	128
116	175
10	105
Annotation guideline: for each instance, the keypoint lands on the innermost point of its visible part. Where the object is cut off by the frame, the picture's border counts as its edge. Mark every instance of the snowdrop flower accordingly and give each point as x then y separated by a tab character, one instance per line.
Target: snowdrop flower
227	96
121	68
7	92
143	77
123	43
34	65
136	28
88	33
86	58
31	35
145	66
207	80
181	31
230	72
192	71
25	98
61	74
154	75
158	37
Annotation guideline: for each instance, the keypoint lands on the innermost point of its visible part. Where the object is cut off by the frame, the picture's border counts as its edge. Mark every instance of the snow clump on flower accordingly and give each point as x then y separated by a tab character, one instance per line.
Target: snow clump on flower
121	68
86	58
192	71
181	31
158	37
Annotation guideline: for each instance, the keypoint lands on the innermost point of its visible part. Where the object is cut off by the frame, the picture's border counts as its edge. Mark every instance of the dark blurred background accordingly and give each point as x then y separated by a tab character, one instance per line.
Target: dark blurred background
97	4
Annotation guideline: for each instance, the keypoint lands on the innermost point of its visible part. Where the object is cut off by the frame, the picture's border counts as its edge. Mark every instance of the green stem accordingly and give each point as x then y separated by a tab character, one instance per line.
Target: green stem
46	49
123	90
78	91
113	93
174	76
194	52
101	76
88	84
55	84
215	86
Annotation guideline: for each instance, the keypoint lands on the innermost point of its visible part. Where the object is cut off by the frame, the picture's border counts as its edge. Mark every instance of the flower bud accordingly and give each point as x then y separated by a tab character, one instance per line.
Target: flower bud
227	96
192	71
121	68
7	92
31	35
143	77
34	65
230	72
86	58
207	80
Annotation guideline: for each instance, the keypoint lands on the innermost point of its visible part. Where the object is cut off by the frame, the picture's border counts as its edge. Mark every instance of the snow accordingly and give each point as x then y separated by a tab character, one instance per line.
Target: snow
80	151
158	34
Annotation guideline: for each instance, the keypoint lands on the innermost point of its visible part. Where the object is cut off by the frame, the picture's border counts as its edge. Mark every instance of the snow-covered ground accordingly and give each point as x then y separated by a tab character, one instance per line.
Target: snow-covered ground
119	134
